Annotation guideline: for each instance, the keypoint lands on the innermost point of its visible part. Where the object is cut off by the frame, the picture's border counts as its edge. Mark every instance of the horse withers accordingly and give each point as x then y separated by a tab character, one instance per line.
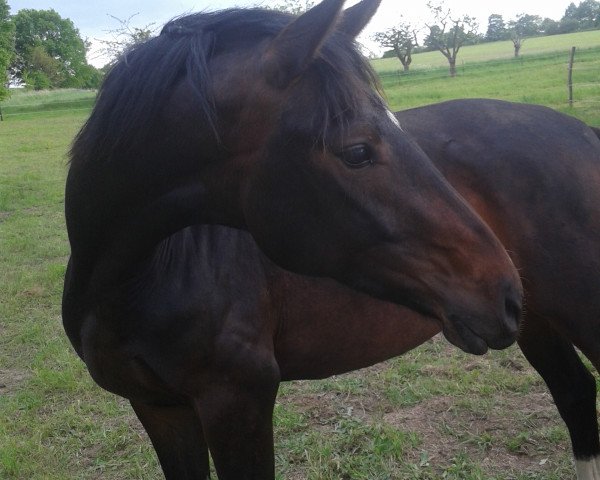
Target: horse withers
255	120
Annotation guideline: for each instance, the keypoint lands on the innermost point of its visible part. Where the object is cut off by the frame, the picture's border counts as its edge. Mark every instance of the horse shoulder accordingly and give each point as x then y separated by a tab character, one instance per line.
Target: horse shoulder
185	310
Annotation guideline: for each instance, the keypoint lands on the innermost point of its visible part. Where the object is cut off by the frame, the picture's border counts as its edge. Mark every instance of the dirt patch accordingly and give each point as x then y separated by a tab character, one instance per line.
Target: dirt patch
495	437
485	417
10	380
34	291
326	408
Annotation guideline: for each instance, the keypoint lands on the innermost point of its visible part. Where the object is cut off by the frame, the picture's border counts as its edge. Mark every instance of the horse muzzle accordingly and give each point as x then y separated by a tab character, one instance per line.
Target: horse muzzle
476	335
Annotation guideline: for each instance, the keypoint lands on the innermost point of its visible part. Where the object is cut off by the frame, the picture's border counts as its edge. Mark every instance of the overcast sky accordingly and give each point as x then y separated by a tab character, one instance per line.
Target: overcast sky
93	20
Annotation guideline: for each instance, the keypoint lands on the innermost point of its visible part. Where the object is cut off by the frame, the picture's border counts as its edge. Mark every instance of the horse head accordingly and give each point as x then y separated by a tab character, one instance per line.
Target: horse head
275	124
334	187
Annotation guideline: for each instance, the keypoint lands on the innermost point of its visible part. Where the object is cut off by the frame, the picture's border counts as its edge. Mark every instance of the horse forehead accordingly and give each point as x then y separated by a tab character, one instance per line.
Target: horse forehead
238	74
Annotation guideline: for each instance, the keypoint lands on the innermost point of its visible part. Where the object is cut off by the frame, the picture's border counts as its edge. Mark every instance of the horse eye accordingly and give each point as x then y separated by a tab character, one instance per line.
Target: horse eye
357	156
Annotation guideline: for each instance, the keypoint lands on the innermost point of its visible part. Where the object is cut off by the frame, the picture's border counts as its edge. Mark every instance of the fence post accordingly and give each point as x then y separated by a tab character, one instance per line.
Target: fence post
1	117
570	76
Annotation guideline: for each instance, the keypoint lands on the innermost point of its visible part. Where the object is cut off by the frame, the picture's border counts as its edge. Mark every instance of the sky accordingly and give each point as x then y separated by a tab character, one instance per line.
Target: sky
94	21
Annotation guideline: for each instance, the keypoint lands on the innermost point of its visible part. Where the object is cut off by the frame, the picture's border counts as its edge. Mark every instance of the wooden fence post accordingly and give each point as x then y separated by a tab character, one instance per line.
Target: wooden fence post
570	76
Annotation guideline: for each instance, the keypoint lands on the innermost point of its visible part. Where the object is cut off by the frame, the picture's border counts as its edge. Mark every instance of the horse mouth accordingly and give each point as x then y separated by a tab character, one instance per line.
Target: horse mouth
463	337
455	330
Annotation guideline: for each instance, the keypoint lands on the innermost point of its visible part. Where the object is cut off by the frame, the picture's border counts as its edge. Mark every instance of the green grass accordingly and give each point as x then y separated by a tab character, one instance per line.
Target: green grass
452	416
434	413
25	102
534	78
54	422
486	52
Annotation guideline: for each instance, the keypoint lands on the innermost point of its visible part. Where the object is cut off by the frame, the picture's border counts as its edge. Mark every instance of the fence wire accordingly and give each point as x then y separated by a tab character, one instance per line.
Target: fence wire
552	66
586	76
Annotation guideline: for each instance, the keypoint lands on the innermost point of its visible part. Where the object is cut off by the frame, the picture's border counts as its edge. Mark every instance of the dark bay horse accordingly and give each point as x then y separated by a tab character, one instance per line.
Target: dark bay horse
227	118
533	175
317	327
272	125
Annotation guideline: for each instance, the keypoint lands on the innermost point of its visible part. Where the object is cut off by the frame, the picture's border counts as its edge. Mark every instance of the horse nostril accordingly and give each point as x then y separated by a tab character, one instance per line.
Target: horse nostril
512	315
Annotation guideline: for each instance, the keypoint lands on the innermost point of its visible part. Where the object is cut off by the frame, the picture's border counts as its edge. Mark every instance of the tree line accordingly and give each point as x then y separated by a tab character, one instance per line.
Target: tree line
42	50
448	32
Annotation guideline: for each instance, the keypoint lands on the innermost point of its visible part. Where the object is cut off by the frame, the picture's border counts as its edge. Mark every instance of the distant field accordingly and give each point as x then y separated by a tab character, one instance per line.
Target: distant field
487	70
23	102
533	78
496	51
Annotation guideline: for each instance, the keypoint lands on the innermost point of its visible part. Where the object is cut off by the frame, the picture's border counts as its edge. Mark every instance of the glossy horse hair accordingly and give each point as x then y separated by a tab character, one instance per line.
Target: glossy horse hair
125	114
533	175
272	125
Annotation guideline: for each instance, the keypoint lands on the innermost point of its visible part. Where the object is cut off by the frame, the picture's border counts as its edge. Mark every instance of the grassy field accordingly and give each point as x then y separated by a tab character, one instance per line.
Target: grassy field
534	78
486	52
23	102
433	413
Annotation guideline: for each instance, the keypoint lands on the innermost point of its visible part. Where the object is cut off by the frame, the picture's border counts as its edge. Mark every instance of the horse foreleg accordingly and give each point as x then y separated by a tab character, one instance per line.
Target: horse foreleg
588	469
176	433
572	386
589	343
238	424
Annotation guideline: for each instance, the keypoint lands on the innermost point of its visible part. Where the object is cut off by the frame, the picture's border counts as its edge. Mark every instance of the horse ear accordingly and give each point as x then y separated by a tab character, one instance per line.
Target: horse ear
357	17
298	44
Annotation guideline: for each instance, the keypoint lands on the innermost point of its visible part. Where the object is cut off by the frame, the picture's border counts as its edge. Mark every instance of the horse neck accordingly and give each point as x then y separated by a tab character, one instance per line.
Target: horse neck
325	328
117	219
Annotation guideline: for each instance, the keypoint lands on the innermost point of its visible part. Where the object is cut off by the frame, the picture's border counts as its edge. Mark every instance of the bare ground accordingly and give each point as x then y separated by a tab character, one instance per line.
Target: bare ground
511	435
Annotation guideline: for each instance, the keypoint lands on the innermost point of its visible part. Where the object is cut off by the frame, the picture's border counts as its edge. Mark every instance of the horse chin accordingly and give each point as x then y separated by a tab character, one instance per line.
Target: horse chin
464	338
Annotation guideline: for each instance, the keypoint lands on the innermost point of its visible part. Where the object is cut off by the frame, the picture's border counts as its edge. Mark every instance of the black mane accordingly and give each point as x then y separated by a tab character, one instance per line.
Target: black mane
137	88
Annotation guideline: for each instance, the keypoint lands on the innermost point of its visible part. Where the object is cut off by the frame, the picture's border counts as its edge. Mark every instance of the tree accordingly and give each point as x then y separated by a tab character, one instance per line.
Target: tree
402	39
569	22
89	77
518	40
7	46
571	11
527	25
524	26
295	7
568	25
549	27
588	14
449	34
124	37
584	16
43	71
46	41
496	30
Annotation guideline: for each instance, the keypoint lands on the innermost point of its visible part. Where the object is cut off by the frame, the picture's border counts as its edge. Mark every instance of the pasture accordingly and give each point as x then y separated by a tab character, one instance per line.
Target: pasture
433	413
539	78
496	51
